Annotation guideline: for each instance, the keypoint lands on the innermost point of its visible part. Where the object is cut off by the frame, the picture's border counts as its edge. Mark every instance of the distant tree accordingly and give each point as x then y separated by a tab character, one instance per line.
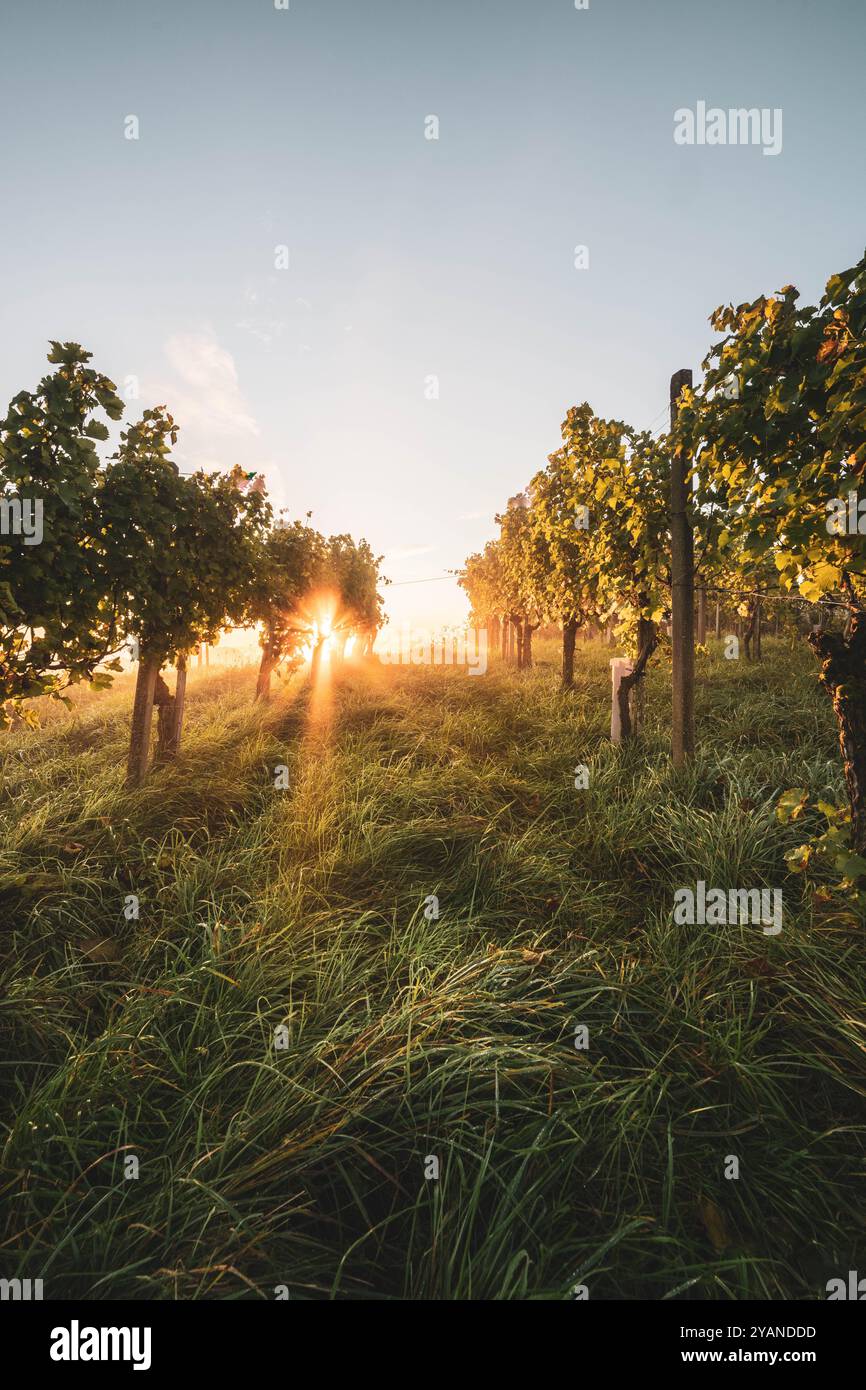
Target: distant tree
520	581
619	480
180	555
351	578
482	581
562	553
291	569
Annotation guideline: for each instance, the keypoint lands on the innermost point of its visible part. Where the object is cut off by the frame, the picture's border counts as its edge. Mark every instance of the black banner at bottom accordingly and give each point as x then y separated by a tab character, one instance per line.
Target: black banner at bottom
232	1338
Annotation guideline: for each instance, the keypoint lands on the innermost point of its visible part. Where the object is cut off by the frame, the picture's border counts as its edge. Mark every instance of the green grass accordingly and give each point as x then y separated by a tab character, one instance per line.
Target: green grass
408	1037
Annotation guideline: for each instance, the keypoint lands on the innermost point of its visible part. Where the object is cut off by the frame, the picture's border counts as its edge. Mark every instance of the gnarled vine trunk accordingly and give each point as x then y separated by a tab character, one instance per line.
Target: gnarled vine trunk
752	629
843	676
169	719
316	662
142	718
266	669
647	641
526	653
515	625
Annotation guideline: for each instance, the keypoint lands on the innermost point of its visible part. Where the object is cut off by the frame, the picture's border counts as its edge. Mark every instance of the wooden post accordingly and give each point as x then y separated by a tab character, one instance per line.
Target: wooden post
702	615
142	718
682	593
718	618
569	633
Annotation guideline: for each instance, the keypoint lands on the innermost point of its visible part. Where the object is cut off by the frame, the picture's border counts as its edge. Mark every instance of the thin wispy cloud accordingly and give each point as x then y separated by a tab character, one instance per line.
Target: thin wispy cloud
409	552
258	319
206	395
266	330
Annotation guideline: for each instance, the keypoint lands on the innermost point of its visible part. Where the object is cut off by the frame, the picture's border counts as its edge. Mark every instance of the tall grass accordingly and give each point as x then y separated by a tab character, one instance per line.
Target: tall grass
408	1038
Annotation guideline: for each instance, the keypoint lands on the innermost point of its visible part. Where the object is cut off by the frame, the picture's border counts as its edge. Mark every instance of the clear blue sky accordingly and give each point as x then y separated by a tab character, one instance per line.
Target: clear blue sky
410	257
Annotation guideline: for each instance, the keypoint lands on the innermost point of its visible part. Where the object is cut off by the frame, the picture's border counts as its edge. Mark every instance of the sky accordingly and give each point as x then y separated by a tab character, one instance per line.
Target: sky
408	370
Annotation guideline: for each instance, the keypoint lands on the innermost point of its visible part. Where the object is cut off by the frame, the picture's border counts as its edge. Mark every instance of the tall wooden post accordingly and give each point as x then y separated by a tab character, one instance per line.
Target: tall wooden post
702	615
682	592
569	634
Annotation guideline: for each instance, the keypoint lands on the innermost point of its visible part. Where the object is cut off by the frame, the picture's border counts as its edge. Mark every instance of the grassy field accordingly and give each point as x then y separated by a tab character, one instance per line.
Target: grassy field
408	1037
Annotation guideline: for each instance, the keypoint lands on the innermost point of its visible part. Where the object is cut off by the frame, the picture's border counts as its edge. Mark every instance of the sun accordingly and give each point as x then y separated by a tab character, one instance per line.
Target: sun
322	633
328	631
